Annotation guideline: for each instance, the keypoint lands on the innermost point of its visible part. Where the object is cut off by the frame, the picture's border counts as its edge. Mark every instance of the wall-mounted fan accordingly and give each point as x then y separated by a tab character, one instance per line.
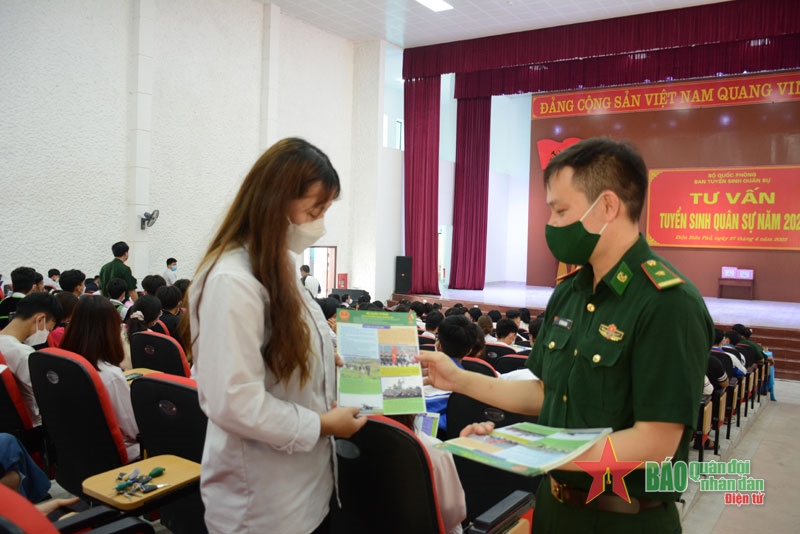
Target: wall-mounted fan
149	219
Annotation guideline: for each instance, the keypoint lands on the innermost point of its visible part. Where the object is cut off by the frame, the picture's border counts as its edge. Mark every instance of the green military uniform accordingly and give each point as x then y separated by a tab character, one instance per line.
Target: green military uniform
756	347
116	269
634	349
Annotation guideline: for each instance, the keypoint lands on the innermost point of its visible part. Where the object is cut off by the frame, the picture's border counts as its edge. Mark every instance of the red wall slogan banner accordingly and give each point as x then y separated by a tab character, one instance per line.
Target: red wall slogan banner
663	96
726	207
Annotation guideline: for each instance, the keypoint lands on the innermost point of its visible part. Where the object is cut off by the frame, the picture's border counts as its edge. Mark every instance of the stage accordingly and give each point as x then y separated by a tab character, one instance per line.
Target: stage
503	295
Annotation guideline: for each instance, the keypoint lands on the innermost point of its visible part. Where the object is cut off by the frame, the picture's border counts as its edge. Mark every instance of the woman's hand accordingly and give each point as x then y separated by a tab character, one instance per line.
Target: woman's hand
481	429
341	422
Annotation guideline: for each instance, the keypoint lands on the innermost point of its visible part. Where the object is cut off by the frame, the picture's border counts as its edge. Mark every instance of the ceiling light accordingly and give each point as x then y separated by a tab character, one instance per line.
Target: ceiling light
435	5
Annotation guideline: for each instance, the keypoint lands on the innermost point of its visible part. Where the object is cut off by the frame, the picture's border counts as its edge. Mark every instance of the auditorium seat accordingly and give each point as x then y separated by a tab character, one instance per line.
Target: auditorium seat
15	419
477	365
160	352
509	362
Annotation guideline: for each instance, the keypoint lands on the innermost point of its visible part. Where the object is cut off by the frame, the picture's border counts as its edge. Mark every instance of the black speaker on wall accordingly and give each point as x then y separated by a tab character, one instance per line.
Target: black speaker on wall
402	274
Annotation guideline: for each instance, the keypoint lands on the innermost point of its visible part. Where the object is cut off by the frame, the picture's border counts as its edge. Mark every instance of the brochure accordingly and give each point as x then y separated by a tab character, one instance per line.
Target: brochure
526	448
381	373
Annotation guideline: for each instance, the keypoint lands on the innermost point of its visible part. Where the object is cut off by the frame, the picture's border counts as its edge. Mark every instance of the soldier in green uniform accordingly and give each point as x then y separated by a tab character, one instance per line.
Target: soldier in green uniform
624	345
116	268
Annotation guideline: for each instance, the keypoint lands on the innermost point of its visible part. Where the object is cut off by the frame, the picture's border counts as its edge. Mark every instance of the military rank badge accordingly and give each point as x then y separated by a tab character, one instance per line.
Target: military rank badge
611	332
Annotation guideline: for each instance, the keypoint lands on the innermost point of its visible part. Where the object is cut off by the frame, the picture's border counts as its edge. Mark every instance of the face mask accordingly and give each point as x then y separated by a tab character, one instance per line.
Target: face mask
302	236
38	337
174	267
573	243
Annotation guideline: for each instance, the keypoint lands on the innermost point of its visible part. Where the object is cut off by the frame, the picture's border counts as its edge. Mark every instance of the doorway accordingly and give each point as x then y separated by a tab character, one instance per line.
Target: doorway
322	261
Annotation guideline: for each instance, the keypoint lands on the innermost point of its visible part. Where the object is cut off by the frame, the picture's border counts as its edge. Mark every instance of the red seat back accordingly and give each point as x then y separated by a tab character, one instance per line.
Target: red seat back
14	415
159	352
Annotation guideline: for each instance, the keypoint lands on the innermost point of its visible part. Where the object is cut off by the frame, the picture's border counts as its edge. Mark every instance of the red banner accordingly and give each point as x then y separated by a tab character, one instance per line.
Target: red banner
663	96
728	207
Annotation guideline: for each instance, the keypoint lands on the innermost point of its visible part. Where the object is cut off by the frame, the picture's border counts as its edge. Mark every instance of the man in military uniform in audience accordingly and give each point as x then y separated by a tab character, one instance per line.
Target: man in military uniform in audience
624	344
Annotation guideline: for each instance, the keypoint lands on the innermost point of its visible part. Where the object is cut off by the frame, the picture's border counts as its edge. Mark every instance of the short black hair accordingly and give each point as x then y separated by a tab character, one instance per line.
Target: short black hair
152	282
457	336
525	315
505	327
170	261
39	303
742	330
119	249
345	296
182	284
718	335
70	279
170	296
535	326
733	336
433	320
418	307
305	269
600	164
328	306
53	272
513	314
116	288
495	315
475	312
455	310
38	277
23	278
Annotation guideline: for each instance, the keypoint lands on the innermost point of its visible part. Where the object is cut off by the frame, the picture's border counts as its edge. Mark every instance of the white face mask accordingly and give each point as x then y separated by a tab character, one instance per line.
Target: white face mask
38	337
302	236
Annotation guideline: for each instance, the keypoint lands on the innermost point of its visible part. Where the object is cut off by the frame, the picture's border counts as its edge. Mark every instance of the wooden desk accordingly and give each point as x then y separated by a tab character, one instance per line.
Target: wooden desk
178	473
735	282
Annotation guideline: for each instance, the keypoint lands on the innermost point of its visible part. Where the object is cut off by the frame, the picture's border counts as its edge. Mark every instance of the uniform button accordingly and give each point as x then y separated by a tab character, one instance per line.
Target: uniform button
564	398
576	352
590	307
551	345
596	358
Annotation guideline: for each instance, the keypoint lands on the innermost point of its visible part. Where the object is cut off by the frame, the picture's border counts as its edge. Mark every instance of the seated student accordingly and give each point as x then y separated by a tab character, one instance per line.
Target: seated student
328	307
151	283
449	492
457	338
142	315
475	313
729	343
67	301
346	300
721	356
479	349
22	281
73	281
525	319
495	315
487	327
19	472
536	325
94	333
745	332
432	323
506	332
36	315
53	276
117	289
93	284
515	316
171	301
38	282
456	310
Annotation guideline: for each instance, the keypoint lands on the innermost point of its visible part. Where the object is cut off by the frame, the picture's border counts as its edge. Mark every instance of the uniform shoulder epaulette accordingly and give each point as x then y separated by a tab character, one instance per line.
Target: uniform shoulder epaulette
661	275
573	272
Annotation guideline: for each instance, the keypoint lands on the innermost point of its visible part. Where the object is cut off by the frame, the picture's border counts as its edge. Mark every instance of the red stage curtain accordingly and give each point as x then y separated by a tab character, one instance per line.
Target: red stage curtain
692	27
421	182
471	202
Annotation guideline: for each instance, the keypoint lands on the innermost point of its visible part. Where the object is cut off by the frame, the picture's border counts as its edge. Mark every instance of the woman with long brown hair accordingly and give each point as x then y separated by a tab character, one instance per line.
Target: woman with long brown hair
264	361
94	332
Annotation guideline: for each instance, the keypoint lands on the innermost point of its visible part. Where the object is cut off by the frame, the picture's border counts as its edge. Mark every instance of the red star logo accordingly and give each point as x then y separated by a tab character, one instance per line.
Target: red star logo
604	469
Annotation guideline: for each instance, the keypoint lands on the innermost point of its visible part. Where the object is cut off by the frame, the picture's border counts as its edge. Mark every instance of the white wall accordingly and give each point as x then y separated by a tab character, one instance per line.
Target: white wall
62	132
67	115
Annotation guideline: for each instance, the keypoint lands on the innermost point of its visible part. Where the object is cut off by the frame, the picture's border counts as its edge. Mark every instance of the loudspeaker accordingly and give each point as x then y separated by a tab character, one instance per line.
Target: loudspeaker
402	274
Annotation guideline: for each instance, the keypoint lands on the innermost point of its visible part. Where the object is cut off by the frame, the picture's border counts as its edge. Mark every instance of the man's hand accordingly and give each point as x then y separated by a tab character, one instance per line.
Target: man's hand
439	370
481	429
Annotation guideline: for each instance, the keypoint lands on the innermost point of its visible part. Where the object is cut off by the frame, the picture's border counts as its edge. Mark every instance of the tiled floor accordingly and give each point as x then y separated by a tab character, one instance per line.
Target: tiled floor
771	443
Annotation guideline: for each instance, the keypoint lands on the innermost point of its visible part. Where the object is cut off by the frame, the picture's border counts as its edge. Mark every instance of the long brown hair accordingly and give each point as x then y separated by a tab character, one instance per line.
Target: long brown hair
258	219
94	331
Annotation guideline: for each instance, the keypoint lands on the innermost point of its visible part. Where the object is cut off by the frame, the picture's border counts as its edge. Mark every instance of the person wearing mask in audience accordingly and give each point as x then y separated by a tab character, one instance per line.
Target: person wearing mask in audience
169	275
116	268
346	300
53	275
457	338
263	357
67	301
73	281
94	333
116	289
36	315
309	282
607	353
22	281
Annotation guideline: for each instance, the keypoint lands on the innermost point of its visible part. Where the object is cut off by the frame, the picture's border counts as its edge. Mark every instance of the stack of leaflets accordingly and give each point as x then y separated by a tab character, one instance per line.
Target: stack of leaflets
526	448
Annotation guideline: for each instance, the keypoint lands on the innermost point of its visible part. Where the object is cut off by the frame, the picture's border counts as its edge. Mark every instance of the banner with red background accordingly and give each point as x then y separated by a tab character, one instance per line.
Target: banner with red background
679	95
725	207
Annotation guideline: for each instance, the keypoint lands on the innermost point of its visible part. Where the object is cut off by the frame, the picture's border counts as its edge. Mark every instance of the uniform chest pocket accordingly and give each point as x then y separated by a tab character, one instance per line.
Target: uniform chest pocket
601	374
557	355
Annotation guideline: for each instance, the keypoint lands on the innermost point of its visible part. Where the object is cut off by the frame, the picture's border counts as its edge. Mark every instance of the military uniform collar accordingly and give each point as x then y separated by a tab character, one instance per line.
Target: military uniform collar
619	277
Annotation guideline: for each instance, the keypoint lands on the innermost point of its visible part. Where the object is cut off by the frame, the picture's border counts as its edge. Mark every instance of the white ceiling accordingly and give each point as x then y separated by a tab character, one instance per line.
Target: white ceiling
408	24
